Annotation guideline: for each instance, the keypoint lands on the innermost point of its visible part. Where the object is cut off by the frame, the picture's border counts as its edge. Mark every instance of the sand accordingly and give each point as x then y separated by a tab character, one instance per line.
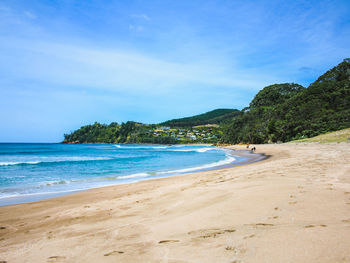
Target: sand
291	207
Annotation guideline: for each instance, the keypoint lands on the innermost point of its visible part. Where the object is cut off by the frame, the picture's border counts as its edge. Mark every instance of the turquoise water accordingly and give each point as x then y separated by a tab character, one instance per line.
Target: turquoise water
31	172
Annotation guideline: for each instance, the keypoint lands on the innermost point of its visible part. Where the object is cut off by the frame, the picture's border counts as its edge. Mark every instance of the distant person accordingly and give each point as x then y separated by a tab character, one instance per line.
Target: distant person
247	146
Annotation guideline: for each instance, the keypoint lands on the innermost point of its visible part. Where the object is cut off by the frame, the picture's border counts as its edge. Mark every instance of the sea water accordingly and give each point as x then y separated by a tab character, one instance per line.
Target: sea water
30	172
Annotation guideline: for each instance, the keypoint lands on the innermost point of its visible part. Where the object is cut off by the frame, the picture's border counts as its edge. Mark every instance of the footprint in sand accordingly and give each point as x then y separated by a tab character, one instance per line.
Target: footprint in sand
251	236
55	258
263	224
230	248
236	250
292	203
311	226
114	252
211	233
168	241
49	235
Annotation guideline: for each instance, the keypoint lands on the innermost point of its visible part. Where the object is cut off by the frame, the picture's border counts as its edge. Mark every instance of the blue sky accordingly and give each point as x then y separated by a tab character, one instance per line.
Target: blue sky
65	63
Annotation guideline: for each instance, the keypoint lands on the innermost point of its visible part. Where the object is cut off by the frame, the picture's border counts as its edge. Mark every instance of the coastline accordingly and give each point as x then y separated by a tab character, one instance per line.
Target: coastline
291	207
248	157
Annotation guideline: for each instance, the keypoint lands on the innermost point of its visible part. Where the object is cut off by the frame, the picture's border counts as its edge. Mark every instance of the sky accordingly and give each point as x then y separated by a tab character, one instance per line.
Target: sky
65	63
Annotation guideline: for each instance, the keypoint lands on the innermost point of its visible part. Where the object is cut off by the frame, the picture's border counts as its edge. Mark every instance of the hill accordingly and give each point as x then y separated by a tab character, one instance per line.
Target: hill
288	111
212	117
133	132
337	136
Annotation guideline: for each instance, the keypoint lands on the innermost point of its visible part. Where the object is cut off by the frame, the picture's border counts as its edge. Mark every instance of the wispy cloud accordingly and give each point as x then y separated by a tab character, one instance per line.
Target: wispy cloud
135	27
66	64
141	16
29	15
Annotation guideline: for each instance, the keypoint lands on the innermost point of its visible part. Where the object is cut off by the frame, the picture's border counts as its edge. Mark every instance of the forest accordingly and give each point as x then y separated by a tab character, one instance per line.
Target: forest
288	111
217	116
132	132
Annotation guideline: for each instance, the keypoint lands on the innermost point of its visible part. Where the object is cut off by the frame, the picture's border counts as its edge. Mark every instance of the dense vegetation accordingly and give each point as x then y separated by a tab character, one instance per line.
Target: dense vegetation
284	112
96	133
217	116
129	132
133	132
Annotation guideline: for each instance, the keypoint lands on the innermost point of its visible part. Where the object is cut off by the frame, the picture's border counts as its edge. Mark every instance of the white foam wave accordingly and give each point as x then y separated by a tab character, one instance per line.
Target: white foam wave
16	163
200	150
55	160
174	148
140	147
229	159
134	175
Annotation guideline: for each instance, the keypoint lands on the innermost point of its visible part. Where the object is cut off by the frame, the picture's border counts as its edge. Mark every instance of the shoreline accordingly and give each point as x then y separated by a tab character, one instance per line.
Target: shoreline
36	197
292	207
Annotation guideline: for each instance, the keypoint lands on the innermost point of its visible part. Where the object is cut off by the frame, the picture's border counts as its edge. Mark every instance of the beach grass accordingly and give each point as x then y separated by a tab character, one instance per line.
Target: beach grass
331	137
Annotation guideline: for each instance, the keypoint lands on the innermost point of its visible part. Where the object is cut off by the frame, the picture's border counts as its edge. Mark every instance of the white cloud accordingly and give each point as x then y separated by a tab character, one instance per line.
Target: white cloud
29	15
141	16
136	27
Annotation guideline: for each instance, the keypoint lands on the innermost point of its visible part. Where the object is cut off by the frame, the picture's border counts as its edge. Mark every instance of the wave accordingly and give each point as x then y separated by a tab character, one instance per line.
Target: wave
229	159
18	163
169	148
200	150
141	147
57	182
55	160
29	152
102	181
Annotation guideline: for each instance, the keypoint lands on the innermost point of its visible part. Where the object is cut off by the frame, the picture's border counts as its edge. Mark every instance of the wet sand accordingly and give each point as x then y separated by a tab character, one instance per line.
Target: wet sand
291	207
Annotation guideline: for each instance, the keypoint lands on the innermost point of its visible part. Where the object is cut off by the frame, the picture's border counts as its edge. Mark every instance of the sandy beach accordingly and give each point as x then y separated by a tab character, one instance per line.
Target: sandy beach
291	207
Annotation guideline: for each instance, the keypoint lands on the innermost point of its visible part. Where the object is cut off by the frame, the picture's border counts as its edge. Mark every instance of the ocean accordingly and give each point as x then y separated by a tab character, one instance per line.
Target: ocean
30	172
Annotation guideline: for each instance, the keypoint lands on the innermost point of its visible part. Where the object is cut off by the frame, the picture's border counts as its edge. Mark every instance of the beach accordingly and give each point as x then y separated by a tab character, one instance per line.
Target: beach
291	207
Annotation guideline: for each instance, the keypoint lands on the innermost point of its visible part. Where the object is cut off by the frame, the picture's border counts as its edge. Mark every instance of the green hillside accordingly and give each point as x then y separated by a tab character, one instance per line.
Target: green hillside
336	136
185	130
212	117
285	112
133	132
